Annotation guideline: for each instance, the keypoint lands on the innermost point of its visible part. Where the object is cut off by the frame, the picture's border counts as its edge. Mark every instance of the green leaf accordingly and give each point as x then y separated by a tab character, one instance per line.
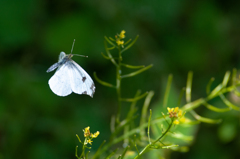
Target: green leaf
111	154
215	109
181	136
127	47
228	103
234	76
87	154
136	72
189	86
215	92
109	54
124	152
102	82
149	121
167	147
104	56
203	119
208	89
180	96
166	94
110	42
226	78
236	92
130	114
131	66
98	150
193	105
135	98
144	110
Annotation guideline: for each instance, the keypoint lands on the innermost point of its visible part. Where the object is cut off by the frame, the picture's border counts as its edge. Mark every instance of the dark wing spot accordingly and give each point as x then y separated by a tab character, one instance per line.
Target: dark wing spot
93	89
83	79
85	92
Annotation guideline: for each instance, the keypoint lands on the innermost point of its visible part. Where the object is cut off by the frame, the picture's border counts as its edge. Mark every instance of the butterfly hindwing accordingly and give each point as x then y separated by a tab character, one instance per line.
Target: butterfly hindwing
59	82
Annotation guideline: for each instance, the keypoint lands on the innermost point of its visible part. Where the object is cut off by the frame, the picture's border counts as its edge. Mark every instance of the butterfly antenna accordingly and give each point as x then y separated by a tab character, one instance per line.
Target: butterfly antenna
80	55
77	54
73	45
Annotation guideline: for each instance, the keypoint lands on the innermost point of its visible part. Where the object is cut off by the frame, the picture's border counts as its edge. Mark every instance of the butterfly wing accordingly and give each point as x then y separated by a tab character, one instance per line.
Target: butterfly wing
60	81
81	82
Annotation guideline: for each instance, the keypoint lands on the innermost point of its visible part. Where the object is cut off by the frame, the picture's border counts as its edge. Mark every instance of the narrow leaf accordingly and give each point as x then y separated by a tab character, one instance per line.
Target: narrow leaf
166	94
130	114
215	109
111	154
125	43
228	103
203	119
76	154
167	147
189	86
149	121
215	92
181	136
104	56
144	110
180	96
134	99
110	42
102	82
234	76
208	89
226	78
127	47
193	105
137	72
236	92
131	66
98	150
87	154
112	124
124	152
78	138
109	54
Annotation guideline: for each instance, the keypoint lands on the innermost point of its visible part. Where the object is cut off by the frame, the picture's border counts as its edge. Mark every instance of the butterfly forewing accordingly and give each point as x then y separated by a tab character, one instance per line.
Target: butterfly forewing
81	82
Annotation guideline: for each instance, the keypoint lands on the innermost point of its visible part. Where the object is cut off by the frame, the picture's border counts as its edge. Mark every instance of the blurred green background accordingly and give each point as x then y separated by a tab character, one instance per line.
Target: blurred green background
175	36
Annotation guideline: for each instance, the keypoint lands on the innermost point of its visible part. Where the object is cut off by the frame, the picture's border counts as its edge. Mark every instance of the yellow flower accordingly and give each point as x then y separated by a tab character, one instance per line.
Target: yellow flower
95	135
176	109
119	38
119	42
89	141
180	113
86	131
176	122
172	112
175	114
122	34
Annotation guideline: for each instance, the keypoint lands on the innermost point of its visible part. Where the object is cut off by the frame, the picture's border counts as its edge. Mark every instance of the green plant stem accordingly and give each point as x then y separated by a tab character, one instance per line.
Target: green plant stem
83	152
151	144
118	85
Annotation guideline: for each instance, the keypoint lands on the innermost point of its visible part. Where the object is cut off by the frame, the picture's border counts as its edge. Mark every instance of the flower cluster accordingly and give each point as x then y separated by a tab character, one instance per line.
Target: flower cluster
175	114
89	136
119	38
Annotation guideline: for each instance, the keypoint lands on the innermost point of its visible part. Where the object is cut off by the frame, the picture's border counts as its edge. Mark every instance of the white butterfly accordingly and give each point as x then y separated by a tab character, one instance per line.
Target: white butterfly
70	77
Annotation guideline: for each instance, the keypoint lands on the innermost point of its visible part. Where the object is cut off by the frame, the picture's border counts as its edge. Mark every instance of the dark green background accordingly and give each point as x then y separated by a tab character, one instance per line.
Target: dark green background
176	36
